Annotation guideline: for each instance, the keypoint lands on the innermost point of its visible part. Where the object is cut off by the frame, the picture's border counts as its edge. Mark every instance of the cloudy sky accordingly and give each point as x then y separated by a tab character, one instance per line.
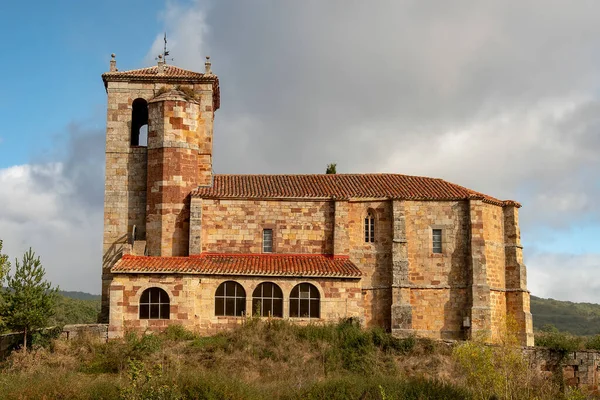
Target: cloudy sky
501	97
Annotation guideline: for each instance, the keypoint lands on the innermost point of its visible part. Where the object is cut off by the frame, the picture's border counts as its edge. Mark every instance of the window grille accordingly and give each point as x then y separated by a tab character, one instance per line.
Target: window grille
437	240
230	299
155	304
305	301
267	240
267	300
369	228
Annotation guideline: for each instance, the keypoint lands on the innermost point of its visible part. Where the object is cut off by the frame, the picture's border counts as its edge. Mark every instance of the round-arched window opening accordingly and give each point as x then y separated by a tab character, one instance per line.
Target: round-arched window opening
230	299
267	300
305	301
139	118
155	304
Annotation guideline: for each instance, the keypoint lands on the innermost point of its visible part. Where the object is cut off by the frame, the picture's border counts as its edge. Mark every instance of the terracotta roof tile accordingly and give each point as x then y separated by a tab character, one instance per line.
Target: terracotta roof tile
152	72
301	265
171	74
339	186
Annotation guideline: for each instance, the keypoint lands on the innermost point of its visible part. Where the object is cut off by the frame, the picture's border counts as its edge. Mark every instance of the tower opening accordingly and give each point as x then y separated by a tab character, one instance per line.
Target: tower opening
139	120
143	136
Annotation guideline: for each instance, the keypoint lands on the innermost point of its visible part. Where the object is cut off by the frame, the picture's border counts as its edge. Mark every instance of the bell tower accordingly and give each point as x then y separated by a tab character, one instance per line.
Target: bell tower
159	131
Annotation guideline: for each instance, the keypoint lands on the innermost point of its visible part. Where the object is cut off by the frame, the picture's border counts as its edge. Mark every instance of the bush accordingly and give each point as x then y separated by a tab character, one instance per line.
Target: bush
593	343
560	342
115	355
178	332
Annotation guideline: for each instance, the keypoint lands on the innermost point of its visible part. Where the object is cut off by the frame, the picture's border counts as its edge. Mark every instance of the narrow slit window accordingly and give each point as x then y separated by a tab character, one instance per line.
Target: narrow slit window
267	240
369	228
437	241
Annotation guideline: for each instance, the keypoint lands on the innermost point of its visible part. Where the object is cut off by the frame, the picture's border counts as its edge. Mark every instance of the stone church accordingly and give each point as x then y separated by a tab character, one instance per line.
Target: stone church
183	245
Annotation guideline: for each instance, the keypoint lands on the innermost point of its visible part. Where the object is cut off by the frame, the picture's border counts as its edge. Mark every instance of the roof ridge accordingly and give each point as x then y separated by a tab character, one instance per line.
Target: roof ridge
334	175
380	185
152	67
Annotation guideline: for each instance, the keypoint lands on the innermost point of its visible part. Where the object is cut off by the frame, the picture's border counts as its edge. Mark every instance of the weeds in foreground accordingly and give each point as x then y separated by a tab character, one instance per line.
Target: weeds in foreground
263	359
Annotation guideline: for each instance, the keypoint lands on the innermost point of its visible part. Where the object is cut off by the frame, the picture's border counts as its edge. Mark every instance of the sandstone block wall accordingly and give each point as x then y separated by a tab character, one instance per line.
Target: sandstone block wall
236	226
434	295
176	138
438	281
193	301
374	259
126	165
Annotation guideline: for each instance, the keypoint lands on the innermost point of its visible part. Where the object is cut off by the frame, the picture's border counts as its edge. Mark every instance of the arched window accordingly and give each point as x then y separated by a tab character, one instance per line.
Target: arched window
230	299
369	227
139	118
305	301
154	304
267	300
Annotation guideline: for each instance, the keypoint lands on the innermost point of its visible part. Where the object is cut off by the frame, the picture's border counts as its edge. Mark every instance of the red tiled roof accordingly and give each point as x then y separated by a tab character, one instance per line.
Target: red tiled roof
152	72
300	265
339	186
171	74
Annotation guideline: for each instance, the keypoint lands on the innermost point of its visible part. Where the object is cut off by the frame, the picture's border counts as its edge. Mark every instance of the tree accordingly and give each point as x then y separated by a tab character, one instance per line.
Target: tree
28	300
331	168
4	267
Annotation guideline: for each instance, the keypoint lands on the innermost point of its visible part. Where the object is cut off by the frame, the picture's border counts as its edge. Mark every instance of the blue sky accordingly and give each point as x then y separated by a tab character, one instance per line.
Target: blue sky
498	97
54	55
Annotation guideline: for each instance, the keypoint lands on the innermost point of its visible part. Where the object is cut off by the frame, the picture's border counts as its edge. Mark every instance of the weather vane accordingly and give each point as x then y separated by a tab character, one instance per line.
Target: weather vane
165	52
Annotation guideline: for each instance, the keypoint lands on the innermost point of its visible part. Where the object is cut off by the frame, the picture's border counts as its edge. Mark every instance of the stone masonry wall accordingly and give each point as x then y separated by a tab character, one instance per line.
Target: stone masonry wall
192	300
373	259
236	226
517	295
439	282
176	138
493	233
124	196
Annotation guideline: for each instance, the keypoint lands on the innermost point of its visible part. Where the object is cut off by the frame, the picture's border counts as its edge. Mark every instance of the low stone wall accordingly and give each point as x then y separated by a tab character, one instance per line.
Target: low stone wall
99	331
11	341
579	369
8	342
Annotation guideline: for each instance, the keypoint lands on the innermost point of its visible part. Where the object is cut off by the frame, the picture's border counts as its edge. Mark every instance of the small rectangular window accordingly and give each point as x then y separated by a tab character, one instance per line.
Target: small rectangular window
437	240
267	240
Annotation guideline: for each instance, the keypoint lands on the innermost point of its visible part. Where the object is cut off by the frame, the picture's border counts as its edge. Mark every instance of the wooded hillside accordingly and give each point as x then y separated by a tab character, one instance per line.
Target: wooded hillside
566	316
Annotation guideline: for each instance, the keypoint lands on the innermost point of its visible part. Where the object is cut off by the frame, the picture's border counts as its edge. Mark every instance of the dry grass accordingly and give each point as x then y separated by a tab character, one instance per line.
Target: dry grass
260	360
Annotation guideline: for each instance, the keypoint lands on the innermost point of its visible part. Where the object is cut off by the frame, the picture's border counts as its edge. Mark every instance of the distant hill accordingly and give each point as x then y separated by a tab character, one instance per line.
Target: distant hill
79	295
75	308
566	316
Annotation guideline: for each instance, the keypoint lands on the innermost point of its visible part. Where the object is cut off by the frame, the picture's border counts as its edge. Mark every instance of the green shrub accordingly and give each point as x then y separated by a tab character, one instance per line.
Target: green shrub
115	355
176	332
560	342
593	343
211	343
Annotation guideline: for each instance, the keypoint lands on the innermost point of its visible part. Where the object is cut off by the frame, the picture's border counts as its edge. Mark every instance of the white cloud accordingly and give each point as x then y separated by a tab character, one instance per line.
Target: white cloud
68	239
564	276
